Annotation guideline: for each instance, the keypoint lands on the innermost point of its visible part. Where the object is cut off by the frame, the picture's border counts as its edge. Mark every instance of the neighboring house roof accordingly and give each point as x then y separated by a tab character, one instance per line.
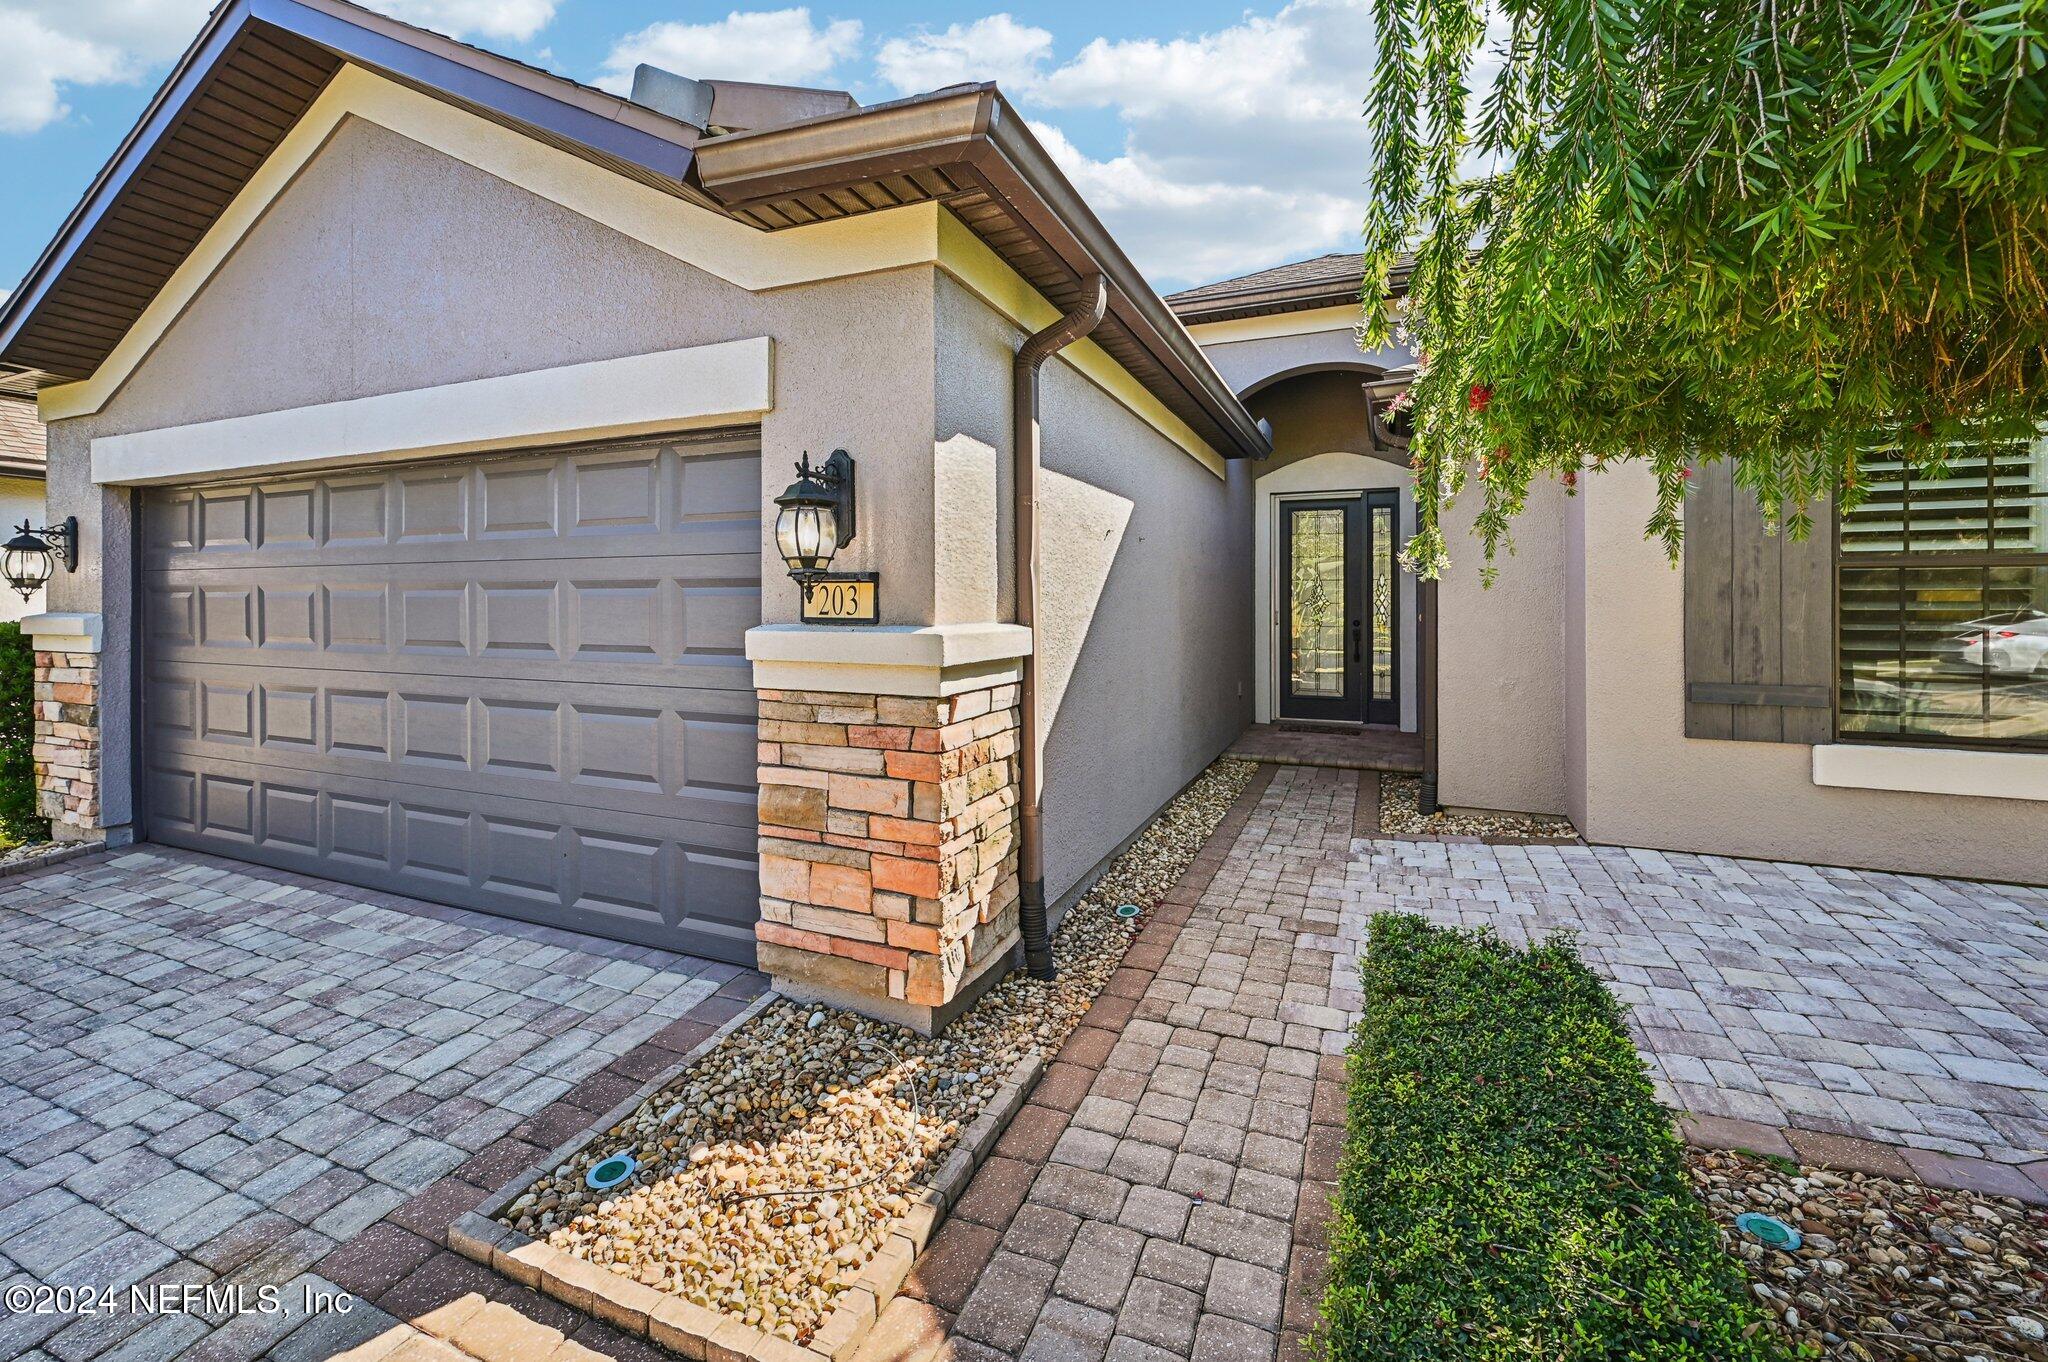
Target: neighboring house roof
1325	281
259	64
23	453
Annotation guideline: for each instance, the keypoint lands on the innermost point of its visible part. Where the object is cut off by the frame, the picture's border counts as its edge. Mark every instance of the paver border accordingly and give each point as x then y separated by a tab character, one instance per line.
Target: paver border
1370	798
56	854
697	1333
2026	1183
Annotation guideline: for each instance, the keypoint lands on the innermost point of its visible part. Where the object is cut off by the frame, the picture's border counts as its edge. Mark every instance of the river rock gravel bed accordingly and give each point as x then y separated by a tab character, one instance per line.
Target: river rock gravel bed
26	851
1889	1269
847	1113
1399	817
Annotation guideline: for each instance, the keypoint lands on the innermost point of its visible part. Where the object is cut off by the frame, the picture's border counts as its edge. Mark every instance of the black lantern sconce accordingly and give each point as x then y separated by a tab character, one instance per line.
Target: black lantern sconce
815	519
29	559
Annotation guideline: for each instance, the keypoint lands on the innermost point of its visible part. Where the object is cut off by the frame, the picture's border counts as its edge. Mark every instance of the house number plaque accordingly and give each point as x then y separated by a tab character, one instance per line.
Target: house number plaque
849	598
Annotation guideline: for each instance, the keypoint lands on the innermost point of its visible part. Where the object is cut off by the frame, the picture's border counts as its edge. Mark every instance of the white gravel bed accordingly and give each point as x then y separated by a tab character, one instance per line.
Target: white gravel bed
847	1113
1889	1269
1398	817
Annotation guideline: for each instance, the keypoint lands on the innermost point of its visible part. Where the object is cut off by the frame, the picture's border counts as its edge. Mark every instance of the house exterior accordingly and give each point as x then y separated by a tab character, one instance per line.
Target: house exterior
425	474
21	483
1876	695
424	416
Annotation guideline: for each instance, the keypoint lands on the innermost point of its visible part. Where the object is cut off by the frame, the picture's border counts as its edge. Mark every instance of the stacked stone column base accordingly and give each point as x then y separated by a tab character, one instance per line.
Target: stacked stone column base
888	846
66	746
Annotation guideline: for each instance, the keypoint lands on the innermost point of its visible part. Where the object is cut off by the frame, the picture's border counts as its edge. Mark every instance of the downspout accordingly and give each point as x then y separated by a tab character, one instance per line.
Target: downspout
1035	351
1425	795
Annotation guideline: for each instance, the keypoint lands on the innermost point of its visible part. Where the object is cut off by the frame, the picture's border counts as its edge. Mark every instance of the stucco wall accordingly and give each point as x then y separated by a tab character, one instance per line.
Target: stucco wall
1314	414
1646	784
1145	611
1246	363
388	266
20	499
1501	663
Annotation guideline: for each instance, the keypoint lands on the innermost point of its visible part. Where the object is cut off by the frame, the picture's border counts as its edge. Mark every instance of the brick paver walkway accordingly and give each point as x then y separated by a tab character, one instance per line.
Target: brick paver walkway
215	1074
1172	1200
1160	1221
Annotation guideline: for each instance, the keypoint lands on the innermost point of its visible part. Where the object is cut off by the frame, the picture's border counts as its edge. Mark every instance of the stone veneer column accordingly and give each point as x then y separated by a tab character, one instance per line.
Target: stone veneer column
888	815
67	715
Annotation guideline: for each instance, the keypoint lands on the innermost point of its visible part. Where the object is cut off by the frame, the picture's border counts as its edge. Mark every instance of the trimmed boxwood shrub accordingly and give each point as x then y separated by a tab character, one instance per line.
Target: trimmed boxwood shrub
19	821
1510	1187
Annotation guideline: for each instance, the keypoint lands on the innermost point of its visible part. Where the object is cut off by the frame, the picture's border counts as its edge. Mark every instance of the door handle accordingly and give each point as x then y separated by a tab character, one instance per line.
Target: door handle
1355	625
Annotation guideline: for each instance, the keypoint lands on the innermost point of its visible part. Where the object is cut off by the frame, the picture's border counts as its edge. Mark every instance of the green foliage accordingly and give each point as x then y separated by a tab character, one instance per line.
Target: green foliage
1675	231
1510	1189
19	821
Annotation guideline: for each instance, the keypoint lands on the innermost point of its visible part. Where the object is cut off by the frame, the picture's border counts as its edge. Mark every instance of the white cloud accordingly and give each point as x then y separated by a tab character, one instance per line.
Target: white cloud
46	46
780	47
49	45
1308	62
517	20
997	48
1242	147
1184	229
35	60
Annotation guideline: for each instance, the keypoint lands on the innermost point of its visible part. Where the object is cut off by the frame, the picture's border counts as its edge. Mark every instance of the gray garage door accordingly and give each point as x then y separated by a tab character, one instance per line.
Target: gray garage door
515	684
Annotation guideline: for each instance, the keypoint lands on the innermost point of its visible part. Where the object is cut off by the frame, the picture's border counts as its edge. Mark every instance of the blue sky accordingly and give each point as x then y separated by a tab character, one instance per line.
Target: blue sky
1213	139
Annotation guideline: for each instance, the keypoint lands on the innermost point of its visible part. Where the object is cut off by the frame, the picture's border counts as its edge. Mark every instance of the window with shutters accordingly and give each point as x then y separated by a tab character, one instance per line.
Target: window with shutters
1942	601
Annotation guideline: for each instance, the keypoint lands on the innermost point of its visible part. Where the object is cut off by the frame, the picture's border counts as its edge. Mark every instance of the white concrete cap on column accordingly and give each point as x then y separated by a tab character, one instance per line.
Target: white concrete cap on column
917	660
64	632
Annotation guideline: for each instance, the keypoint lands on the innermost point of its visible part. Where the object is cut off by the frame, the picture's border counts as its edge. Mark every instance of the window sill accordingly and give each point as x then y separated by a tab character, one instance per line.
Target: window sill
1933	770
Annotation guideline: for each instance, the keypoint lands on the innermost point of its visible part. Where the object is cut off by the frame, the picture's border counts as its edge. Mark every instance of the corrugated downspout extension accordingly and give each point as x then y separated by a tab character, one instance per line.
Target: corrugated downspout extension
1035	351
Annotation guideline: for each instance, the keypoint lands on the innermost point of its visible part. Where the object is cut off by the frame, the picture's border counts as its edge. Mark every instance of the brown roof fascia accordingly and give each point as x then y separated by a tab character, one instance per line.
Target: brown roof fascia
588	98
972	128
1260	302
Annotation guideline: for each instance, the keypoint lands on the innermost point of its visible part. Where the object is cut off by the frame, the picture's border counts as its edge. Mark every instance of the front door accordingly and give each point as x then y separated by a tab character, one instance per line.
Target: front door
1337	574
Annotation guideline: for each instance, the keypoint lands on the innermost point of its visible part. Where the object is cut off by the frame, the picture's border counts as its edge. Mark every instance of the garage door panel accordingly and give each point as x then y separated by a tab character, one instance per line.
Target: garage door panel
619	749
651	880
614	614
690	497
515	684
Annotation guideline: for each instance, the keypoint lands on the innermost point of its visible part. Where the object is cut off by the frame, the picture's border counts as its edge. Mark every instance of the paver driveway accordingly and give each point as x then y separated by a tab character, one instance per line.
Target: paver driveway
1897	1008
214	1073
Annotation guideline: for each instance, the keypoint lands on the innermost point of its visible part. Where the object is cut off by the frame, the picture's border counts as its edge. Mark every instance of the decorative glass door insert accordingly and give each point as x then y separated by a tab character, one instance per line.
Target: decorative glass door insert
1339	609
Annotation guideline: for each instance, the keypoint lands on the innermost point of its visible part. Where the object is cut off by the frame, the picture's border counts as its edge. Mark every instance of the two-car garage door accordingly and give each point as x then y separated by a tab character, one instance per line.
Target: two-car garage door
515	684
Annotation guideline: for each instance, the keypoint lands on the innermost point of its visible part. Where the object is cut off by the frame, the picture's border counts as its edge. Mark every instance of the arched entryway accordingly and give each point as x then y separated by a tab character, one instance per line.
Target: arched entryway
1336	631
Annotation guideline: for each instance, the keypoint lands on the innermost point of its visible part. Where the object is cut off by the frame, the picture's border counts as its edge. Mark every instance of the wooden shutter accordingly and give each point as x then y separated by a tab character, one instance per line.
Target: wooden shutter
1759	619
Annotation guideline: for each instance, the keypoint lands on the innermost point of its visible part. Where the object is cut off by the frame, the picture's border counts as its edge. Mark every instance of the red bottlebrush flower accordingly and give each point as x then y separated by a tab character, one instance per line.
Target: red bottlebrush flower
1924	430
1685	475
1571	477
1480	395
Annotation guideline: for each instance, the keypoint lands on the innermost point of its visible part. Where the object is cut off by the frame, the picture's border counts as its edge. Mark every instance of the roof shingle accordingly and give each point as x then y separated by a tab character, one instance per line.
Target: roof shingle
1340	267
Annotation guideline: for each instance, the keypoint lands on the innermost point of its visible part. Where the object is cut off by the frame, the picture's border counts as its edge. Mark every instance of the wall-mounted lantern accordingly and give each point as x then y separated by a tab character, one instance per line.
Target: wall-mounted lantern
28	559
816	516
814	519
